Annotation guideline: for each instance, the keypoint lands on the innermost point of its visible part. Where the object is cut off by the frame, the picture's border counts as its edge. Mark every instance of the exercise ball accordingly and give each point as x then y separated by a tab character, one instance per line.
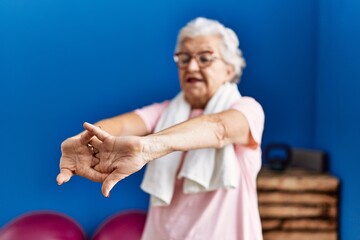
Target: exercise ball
127	225
42	225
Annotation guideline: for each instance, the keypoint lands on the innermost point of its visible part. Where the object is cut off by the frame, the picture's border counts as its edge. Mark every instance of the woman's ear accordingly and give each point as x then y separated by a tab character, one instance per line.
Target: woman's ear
230	71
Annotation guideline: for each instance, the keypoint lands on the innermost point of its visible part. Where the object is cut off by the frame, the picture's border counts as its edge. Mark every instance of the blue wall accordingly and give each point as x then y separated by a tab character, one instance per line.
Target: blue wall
338	102
65	62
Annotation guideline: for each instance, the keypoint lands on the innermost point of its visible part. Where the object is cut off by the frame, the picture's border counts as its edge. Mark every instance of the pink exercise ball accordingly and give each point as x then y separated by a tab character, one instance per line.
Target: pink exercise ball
42	225
127	225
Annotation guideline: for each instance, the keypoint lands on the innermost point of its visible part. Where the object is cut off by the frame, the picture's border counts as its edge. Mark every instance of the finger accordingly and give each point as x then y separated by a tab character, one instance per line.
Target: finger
102	167
92	174
96	131
85	137
110	182
96	143
64	176
94	161
98	167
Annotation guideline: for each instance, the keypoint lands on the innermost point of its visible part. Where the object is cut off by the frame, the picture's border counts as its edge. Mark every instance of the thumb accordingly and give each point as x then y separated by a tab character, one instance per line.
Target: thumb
64	176
110	182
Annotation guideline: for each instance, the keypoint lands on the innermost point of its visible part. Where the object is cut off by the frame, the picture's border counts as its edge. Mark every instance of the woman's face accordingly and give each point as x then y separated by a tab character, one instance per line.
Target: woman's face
199	83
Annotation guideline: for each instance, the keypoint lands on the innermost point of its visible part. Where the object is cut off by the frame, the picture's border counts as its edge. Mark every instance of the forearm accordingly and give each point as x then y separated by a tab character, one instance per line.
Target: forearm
123	125
210	131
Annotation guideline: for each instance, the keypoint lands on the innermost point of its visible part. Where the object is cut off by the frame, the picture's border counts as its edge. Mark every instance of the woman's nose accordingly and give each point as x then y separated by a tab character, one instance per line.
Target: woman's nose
193	65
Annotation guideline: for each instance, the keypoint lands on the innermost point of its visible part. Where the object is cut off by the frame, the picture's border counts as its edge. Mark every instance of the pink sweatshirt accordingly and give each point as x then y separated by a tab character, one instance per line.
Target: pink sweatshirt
218	215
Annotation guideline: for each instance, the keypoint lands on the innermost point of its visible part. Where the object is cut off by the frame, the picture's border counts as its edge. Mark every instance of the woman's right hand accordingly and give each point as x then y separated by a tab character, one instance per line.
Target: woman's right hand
77	158
119	156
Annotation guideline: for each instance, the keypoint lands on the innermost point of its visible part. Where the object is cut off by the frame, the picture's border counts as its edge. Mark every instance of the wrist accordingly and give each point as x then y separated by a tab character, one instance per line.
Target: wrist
154	147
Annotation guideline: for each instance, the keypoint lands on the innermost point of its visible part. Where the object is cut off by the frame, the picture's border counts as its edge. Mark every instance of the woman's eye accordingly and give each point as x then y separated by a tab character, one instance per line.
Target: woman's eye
204	58
184	59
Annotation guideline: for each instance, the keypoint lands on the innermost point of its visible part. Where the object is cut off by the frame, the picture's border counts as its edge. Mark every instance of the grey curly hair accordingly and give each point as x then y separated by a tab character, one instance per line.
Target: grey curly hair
230	50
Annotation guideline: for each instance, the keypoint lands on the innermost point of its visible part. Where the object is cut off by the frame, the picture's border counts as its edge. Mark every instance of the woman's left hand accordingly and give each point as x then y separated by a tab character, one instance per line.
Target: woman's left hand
119	156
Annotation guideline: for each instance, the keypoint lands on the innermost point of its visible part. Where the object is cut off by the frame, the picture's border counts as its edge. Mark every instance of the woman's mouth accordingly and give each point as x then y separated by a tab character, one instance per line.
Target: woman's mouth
193	80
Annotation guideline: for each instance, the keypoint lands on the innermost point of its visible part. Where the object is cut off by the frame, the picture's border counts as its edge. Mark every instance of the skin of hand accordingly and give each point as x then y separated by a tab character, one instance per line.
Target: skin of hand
119	156
77	159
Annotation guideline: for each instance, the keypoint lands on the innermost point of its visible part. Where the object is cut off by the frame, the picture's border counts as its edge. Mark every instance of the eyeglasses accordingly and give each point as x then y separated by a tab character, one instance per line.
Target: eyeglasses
203	59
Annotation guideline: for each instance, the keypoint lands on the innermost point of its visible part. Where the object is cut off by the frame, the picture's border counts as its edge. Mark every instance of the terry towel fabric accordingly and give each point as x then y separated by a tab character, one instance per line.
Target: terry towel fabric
205	169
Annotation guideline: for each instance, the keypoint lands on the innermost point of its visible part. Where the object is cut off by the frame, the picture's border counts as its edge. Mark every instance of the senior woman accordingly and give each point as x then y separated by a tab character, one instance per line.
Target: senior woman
202	148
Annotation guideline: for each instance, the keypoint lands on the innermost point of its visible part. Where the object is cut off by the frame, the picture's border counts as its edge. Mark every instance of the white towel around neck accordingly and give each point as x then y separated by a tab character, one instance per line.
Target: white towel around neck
205	169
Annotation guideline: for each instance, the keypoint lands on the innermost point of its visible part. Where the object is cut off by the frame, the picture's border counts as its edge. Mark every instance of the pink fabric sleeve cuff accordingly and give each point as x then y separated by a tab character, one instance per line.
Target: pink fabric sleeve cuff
151	114
254	114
